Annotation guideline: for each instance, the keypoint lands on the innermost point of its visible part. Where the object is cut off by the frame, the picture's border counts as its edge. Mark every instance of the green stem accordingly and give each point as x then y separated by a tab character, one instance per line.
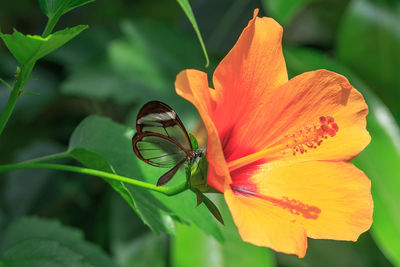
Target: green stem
24	76
15	93
56	156
51	23
169	191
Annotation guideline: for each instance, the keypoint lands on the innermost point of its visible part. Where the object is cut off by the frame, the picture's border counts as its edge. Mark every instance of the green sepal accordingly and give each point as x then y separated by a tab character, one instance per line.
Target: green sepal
198	174
201	198
197	177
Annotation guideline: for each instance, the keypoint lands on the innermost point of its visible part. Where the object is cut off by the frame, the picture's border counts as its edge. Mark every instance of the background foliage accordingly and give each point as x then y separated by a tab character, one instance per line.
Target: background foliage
130	54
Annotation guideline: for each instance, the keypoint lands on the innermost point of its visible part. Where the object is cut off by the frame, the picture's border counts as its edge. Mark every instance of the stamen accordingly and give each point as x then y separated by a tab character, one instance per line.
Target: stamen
305	138
311	137
294	206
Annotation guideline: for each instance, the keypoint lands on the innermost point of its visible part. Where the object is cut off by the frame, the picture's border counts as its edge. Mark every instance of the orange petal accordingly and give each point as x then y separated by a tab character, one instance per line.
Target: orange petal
193	86
246	78
332	200
255	65
261	223
299	104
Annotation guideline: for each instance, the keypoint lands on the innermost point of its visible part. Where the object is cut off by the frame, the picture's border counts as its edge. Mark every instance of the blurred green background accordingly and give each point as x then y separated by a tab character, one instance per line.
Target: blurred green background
131	54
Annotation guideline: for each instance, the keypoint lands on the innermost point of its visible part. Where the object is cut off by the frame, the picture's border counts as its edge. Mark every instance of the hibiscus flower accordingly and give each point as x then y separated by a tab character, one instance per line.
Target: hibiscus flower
279	149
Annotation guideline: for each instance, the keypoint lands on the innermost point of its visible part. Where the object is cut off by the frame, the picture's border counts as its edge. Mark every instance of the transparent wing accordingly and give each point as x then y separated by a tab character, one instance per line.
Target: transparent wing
158	150
158	117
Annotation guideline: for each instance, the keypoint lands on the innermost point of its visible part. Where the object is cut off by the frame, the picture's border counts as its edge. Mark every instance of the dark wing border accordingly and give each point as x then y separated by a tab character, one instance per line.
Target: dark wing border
160	107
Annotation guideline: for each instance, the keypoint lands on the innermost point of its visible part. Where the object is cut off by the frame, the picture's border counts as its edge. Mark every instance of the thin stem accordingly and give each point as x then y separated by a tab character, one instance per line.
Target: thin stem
24	75
15	93
169	191
56	156
51	23
6	84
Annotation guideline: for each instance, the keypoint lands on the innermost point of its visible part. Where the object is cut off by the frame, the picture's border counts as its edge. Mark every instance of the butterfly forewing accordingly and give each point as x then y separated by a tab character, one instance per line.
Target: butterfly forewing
157	150
157	117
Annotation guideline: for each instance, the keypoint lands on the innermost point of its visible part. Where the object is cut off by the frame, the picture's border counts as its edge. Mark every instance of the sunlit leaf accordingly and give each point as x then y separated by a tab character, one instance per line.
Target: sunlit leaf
24	235
368	42
53	7
30	48
380	160
189	13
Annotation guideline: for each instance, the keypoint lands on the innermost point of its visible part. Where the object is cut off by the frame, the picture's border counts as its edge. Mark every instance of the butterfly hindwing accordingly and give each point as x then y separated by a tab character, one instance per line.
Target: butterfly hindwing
157	150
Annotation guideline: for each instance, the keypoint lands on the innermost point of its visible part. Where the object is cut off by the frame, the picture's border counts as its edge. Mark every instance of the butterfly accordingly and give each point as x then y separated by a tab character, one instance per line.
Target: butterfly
162	141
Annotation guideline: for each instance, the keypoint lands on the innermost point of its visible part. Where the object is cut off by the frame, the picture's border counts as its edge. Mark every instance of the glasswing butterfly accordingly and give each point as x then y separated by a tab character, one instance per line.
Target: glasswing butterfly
161	140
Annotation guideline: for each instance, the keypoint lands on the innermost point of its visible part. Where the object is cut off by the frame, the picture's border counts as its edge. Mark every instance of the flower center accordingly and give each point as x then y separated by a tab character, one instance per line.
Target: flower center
299	142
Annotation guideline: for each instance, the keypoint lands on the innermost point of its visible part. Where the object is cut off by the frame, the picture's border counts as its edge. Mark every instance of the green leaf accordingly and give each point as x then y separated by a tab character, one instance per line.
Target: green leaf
146	250
368	42
191	247
189	13
23	188
138	61
114	142
383	152
34	229
319	251
285	11
97	82
30	48
98	162
201	198
53	7
39	253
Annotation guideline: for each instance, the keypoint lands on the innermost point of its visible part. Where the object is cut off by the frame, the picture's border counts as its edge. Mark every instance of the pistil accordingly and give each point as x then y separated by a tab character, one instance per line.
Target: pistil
301	141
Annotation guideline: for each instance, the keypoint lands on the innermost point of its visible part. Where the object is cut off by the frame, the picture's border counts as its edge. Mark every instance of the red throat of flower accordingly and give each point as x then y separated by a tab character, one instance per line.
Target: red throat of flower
304	139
